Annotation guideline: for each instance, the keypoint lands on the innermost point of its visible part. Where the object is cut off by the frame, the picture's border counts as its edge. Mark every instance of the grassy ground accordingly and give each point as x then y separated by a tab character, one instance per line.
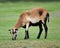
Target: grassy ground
9	13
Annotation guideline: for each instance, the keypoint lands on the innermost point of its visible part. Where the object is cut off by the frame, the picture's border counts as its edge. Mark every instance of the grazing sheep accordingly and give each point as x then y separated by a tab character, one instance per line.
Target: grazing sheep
33	17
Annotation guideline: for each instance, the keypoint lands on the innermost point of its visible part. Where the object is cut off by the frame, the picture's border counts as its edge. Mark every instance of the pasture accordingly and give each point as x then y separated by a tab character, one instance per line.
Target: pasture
9	13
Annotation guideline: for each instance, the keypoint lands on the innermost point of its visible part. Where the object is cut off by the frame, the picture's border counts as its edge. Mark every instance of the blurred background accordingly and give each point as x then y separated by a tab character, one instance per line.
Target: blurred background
10	11
27	0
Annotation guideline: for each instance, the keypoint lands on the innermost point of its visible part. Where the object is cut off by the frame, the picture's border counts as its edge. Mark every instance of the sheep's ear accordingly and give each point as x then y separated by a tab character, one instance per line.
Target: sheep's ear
9	30
16	29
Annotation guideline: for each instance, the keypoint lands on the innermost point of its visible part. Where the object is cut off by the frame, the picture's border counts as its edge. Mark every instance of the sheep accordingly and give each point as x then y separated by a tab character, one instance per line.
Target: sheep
33	17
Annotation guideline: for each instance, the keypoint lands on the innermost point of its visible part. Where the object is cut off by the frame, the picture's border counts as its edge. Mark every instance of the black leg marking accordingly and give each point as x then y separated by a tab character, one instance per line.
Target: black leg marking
26	35
40	30
46	29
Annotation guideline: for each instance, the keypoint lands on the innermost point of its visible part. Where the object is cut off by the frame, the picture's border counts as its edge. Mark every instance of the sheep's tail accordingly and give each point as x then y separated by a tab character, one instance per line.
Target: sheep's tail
47	16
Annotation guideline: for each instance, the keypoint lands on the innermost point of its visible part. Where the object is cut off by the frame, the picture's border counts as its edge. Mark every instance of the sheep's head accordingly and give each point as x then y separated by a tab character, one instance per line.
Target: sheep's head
13	33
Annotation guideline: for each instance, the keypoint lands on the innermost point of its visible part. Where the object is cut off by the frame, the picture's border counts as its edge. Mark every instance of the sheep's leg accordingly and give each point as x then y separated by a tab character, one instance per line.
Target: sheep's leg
26	35
46	29
40	30
26	31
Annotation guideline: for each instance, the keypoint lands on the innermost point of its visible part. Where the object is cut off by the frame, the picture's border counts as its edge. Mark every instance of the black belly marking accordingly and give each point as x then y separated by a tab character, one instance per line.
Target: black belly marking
33	24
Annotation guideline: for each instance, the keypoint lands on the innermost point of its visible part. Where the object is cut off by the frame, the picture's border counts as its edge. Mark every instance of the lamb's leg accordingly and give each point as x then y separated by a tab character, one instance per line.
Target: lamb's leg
40	30
26	31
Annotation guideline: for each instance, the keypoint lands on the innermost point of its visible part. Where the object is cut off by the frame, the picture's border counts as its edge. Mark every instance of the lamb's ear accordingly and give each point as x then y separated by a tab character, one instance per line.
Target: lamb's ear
16	29
9	30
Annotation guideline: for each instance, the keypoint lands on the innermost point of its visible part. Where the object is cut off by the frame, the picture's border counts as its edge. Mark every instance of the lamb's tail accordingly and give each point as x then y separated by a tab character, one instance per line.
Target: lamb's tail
47	16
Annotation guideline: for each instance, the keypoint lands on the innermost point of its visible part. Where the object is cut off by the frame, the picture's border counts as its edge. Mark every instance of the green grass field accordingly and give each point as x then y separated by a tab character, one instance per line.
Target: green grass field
9	13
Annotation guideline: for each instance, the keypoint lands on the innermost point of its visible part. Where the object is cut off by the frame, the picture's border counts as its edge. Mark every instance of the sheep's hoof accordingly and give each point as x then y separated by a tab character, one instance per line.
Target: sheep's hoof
26	38
38	37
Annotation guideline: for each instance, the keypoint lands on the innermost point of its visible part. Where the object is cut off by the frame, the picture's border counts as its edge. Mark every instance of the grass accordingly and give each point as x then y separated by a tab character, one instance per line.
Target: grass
9	13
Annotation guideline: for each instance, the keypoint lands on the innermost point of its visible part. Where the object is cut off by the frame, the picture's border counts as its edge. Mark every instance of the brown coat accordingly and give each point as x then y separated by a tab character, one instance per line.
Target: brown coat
34	15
